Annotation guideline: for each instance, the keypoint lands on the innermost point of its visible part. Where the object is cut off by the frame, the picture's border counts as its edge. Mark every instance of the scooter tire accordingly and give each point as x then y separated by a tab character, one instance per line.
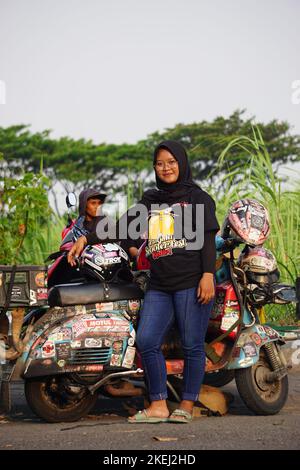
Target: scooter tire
261	397
45	408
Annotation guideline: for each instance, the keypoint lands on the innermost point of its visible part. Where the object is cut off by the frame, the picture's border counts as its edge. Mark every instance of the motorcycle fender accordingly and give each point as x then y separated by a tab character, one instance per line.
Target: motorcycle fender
246	349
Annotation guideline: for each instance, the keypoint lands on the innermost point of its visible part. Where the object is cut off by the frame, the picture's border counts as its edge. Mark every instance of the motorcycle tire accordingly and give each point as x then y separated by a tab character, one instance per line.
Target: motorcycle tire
218	379
259	396
56	407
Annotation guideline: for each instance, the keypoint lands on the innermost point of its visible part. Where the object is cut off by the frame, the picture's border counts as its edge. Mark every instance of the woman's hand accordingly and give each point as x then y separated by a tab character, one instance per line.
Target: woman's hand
133	252
76	250
206	288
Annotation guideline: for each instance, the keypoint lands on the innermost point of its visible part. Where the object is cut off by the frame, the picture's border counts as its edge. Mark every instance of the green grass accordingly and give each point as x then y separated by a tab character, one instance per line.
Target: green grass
45	240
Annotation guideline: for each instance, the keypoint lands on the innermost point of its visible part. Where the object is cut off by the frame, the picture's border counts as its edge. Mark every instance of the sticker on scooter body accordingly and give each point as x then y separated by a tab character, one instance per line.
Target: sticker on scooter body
94	336
246	350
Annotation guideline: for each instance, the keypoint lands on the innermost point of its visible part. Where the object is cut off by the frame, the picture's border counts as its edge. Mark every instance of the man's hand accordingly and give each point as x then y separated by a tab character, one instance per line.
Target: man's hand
206	288
76	250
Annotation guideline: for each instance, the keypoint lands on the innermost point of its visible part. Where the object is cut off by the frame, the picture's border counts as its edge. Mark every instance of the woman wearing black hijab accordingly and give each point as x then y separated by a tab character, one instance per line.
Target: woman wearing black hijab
181	284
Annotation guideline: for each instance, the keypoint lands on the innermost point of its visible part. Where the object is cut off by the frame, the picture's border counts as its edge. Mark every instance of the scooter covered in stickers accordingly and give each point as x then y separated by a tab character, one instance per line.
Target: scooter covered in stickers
85	342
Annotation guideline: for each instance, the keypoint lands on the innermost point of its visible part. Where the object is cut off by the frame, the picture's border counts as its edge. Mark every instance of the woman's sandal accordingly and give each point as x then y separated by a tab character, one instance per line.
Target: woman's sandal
142	417
180	416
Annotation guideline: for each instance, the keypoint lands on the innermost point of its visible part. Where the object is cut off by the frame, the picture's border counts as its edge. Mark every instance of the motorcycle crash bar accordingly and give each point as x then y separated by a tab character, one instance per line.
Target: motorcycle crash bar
94	387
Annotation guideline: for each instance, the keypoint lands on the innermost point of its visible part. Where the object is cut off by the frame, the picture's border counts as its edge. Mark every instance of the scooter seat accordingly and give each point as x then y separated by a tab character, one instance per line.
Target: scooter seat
82	293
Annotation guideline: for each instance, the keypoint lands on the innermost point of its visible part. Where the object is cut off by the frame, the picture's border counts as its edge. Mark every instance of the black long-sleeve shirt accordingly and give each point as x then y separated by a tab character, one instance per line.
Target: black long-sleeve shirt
173	265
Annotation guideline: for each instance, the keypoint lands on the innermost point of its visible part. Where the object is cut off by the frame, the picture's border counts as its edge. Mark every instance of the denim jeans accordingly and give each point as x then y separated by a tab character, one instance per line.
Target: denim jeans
159	311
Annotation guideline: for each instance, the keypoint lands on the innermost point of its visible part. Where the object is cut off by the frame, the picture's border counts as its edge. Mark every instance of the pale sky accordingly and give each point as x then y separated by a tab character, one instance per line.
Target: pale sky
117	70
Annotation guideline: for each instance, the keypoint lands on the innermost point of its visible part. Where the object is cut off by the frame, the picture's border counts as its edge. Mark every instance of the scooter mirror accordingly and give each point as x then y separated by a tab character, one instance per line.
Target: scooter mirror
71	200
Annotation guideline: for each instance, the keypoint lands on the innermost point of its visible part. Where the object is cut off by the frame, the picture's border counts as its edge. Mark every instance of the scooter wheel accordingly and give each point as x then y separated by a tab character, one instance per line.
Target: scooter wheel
260	396
51	399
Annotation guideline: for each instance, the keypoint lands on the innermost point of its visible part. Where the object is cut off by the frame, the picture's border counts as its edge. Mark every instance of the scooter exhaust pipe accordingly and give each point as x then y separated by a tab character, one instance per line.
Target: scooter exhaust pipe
94	387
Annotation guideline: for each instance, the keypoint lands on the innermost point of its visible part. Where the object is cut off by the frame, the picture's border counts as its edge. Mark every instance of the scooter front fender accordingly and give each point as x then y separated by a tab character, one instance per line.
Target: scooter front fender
247	347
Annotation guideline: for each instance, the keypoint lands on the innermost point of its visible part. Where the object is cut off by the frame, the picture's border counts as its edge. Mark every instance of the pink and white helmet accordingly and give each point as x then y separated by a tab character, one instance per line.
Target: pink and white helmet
248	222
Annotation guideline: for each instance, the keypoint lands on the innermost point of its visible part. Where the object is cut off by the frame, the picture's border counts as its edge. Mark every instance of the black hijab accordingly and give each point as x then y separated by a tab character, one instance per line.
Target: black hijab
171	192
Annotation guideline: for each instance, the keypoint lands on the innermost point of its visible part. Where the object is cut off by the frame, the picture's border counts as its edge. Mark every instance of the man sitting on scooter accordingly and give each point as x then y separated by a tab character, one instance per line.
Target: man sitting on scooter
90	204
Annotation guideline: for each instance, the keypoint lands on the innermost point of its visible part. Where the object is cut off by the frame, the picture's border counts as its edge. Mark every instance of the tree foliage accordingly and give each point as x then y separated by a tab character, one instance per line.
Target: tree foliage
79	163
24	208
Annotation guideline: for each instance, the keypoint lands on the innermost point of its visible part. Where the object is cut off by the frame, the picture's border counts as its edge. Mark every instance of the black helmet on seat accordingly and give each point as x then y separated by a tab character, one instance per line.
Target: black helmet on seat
107	262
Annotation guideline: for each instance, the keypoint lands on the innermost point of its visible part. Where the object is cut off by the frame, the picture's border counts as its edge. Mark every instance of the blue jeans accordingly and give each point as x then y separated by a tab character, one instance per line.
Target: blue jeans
159	311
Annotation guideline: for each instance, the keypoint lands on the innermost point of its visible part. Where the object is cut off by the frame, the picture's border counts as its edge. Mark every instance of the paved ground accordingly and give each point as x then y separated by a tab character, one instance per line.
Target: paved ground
106	428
